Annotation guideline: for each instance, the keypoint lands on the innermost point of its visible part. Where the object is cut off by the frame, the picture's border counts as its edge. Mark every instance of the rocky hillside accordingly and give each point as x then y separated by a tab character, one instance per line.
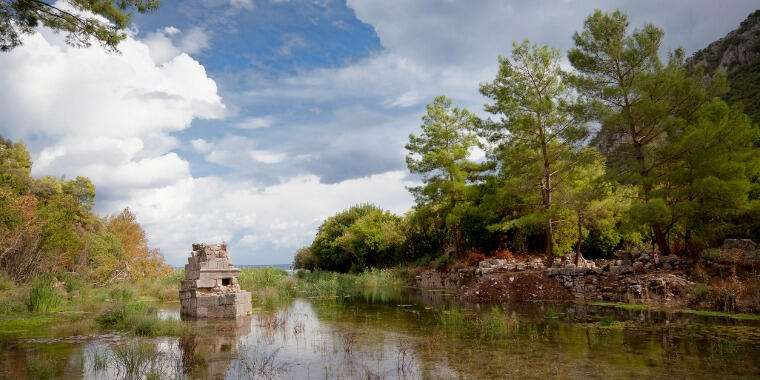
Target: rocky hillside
738	54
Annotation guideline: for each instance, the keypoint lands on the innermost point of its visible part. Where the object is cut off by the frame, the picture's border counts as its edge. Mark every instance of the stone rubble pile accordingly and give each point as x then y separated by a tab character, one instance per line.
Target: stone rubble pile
488	266
210	288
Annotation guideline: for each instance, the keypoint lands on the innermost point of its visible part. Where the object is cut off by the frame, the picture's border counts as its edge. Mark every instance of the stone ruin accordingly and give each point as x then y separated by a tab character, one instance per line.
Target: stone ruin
210	288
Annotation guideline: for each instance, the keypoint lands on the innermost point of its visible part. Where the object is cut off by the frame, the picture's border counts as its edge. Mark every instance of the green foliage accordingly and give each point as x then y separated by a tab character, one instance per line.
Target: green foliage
499	325
104	21
360	237
44	297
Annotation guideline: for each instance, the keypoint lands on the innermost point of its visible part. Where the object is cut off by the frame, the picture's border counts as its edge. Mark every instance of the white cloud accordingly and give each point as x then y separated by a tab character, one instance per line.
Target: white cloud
261	226
256	122
169	42
291	42
105	116
200	145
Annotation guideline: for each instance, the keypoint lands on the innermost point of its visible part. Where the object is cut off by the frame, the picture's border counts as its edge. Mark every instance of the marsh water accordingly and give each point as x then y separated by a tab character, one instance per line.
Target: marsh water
411	334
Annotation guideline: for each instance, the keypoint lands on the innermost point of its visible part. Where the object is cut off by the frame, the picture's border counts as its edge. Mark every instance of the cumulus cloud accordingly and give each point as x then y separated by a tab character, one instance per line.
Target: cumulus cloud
260	225
169	42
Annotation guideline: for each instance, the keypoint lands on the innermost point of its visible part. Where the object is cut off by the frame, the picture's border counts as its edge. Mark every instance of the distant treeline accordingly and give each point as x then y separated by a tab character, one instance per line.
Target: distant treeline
47	226
625	150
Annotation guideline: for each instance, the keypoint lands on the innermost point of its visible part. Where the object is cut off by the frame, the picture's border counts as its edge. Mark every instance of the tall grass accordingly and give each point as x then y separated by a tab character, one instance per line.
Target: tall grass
40	367
43	295
138	319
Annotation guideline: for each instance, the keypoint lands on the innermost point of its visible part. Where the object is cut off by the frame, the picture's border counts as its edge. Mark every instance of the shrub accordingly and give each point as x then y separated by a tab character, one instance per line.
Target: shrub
72	281
504	255
699	292
12	306
443	262
304	259
474	258
6	282
44	297
122	294
423	261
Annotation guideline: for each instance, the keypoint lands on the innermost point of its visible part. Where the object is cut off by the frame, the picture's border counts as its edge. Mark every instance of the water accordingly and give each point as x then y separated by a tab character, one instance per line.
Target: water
403	335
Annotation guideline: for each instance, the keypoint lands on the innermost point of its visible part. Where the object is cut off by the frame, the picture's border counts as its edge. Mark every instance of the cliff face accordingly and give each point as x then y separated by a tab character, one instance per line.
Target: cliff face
738	54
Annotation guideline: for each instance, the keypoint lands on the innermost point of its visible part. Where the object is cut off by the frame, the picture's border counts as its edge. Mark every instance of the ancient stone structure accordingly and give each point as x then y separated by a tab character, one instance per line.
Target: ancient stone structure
210	288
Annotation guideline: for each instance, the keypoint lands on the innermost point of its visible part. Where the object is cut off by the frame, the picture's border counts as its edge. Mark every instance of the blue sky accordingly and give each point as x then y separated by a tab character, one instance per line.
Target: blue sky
250	121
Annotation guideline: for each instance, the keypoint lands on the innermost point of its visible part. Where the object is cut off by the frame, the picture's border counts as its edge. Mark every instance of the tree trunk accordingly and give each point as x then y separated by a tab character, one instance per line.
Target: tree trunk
580	238
547	207
662	240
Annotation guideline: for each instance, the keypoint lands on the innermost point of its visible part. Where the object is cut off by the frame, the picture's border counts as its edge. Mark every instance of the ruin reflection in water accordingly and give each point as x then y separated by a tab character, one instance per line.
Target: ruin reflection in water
416	334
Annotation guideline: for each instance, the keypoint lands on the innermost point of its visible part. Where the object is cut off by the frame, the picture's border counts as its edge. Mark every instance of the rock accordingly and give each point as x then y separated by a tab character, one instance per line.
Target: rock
638	266
551	272
667	266
621	269
746	245
668	259
649	265
622	255
625	262
484	264
520	267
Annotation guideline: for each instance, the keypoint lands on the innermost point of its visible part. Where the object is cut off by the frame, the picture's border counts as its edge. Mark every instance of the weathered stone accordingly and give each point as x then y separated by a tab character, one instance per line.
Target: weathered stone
668	259
210	288
552	272
740	244
520	266
621	269
622	255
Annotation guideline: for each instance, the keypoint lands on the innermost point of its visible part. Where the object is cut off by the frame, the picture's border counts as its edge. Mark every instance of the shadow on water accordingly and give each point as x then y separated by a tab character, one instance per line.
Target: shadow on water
410	334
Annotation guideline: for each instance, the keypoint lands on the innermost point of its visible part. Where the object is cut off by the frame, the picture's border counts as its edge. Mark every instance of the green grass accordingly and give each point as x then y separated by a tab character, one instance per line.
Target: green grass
28	325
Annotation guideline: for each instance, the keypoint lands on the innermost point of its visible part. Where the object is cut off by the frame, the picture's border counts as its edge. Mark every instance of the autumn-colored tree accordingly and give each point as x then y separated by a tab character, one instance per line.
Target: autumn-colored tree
137	260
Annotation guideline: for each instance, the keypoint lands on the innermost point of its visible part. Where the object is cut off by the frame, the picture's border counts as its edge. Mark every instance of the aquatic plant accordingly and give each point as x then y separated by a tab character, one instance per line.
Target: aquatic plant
41	368
136	359
451	318
498	325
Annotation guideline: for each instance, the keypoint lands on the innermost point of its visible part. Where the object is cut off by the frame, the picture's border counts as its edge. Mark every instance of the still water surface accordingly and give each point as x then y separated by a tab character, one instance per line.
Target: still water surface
408	335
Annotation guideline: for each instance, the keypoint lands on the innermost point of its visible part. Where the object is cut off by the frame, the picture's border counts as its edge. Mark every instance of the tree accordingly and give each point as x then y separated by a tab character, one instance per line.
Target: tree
304	259
708	180
540	129
138	261
441	155
594	202
360	237
638	101
81	20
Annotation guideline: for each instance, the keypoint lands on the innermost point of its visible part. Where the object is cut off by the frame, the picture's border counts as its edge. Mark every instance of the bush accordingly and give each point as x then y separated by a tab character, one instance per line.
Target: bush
443	262
423	261
122	294
6	282
44	297
72	281
474	258
699	292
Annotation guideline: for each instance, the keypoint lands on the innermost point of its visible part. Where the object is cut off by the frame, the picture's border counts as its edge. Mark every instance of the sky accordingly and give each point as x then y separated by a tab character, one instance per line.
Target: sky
251	121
